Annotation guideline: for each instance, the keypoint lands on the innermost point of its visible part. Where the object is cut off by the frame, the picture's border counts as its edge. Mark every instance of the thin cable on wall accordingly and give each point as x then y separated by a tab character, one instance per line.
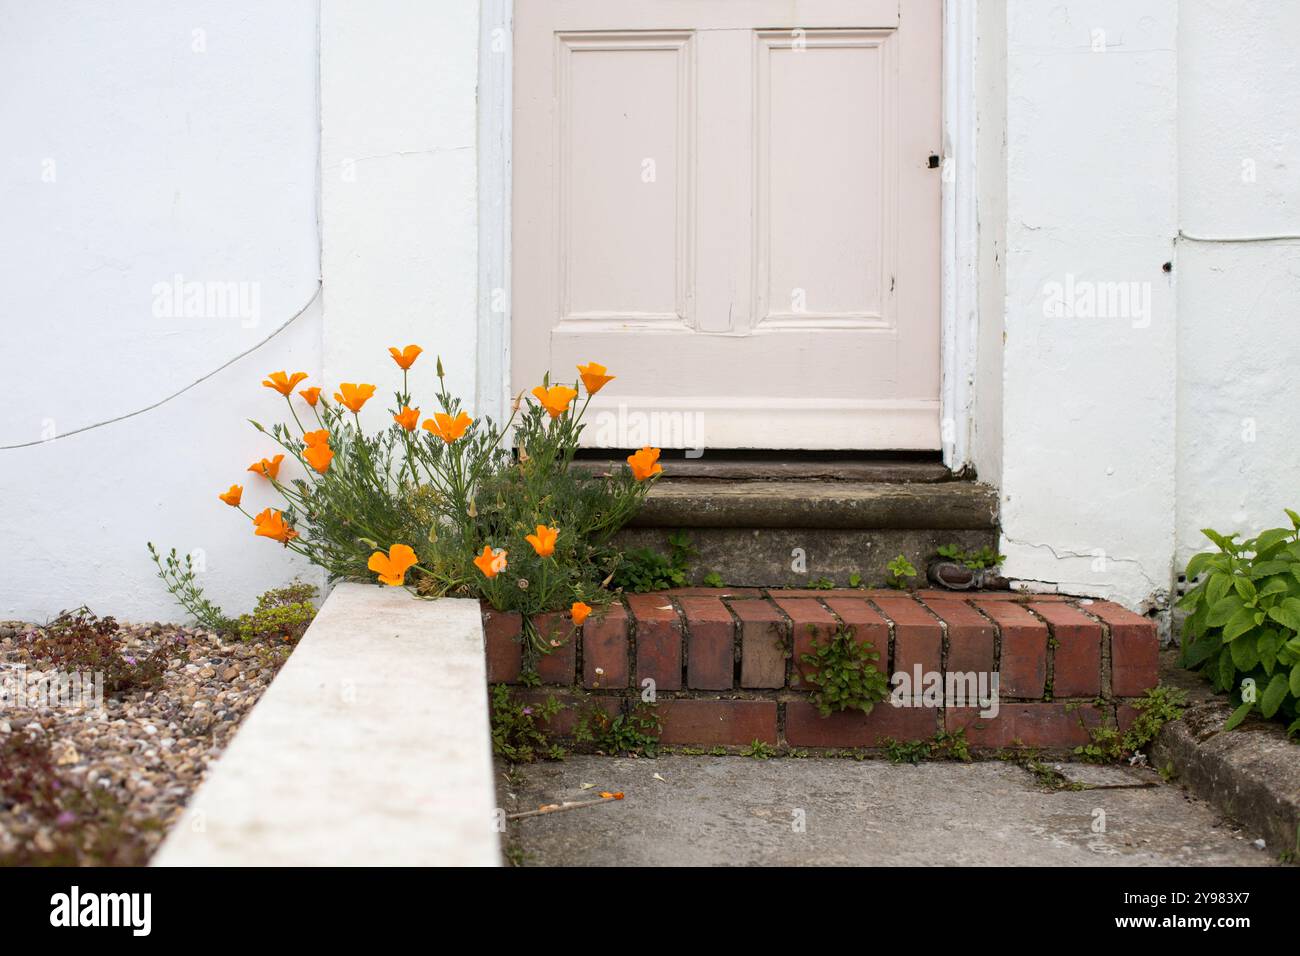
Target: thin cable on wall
198	381
1192	238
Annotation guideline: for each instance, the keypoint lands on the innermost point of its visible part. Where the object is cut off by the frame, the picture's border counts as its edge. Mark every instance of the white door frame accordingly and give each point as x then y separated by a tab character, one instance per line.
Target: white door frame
960	313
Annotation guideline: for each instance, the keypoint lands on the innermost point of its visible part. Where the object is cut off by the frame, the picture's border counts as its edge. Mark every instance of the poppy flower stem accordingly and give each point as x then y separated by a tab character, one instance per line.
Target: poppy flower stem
294	413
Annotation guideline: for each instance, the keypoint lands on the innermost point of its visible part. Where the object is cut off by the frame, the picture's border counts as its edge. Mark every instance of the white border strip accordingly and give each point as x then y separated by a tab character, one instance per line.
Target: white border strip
495	142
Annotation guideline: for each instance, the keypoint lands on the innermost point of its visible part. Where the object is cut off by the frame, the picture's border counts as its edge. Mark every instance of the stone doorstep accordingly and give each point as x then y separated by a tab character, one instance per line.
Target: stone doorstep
723	672
371	747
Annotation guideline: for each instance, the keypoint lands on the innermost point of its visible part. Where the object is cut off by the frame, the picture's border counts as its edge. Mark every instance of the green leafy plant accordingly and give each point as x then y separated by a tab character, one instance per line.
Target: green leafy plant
644	569
80	641
181	580
943	746
517	734
855	580
635	732
985	557
821	584
713	580
900	572
458	505
282	614
759	750
843	674
1243	626
1157	707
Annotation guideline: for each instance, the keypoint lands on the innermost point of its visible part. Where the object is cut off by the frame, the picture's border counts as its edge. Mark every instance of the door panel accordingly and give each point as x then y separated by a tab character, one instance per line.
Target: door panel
730	205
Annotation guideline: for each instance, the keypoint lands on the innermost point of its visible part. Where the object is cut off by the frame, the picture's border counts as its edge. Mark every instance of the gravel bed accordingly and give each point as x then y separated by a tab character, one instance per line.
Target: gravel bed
143	755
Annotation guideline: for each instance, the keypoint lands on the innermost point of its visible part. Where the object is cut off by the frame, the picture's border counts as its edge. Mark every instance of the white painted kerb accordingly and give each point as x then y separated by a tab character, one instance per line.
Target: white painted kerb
371	747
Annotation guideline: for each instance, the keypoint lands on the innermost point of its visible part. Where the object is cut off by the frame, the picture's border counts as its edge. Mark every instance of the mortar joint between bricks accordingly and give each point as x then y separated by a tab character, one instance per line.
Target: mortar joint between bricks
683	629
787	637
997	633
891	657
1049	669
737	650
1107	690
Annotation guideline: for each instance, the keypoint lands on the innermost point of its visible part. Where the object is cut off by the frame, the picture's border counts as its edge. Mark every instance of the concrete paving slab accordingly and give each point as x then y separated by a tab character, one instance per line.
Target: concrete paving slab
712	811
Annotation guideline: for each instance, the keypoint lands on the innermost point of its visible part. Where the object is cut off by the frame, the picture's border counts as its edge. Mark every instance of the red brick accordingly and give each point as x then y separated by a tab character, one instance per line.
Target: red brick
868	626
809	622
605	645
971	636
806	727
763	644
559	665
1022	671
1134	649
710	643
1077	657
1125	715
1055	726
713	722
918	637
501	632
658	640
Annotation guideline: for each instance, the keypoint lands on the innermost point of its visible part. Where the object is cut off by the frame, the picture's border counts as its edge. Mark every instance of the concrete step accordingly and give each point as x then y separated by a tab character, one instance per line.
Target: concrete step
787	533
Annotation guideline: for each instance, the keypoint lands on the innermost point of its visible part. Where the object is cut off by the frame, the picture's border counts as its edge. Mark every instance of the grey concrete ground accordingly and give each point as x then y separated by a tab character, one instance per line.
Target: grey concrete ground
703	811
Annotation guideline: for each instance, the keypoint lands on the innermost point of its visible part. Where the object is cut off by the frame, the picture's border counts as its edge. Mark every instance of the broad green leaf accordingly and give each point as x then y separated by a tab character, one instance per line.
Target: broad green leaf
1295	682
1287	613
1266	647
1245	587
1224	609
1237	717
1220	582
1274	585
1193	598
1295	518
1198	564
1273	695
1273	538
1227	672
1222	542
1262	569
1241	623
1200	650
1244	654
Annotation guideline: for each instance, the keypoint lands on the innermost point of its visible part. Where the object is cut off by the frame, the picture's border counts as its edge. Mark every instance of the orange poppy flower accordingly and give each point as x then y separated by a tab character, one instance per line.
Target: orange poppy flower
352	397
579	612
268	468
408	418
555	399
319	437
406	357
271	524
392	567
594	377
319	456
645	463
311	395
284	383
233	497
447	428
606	795
490	562
544	541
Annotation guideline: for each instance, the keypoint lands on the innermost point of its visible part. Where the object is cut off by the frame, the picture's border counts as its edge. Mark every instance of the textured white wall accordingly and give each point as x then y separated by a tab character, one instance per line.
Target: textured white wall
398	193
1238	302
143	141
1088	402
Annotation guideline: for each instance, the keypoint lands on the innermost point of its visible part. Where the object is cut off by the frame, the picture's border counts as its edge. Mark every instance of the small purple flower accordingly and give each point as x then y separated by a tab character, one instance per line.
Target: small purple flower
66	819
528	712
131	661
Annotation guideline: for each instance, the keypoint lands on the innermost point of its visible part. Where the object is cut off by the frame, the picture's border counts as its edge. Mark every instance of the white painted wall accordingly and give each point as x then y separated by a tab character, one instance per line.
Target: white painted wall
137	149
1088	405
1238	302
398	192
